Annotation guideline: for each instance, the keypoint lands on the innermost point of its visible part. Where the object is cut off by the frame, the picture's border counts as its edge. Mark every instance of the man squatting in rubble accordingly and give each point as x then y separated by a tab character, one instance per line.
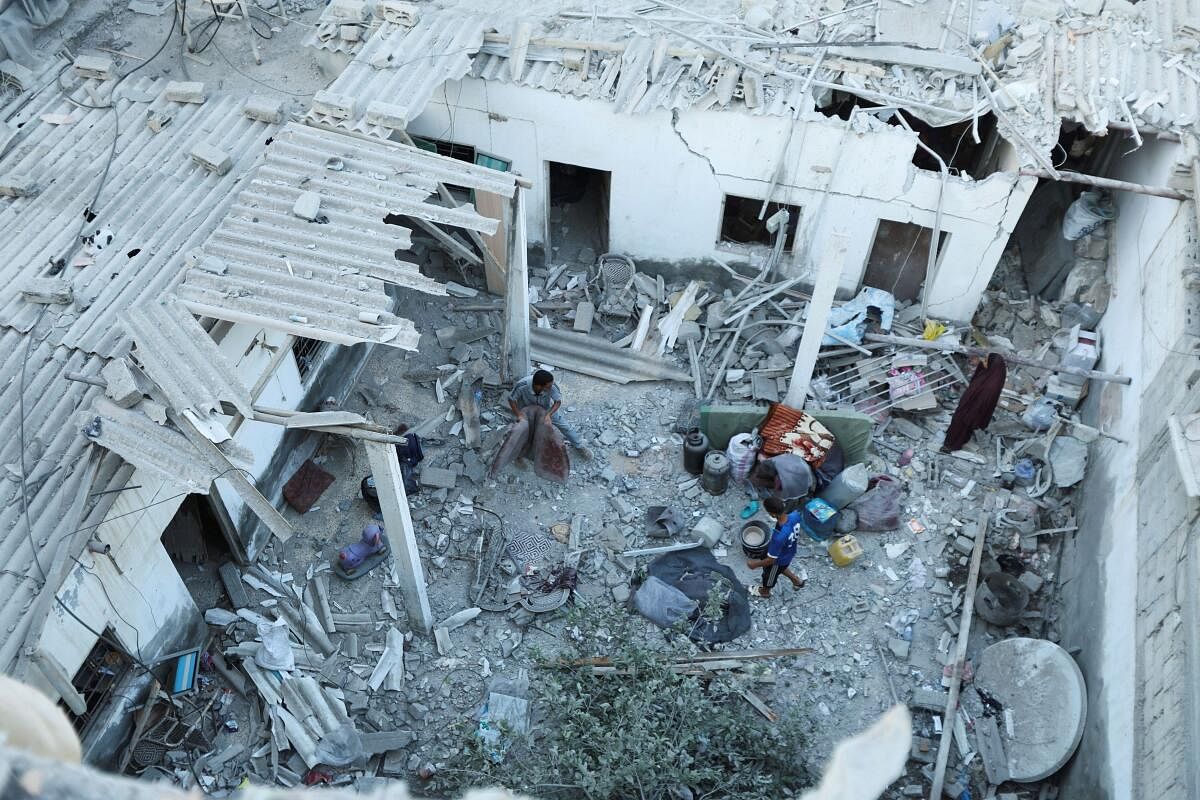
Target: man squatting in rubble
540	390
780	551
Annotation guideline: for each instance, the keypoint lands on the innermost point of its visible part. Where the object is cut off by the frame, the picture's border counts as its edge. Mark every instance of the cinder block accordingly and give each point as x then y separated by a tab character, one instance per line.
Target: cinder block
212	158
346	11
185	92
18	185
263	109
307	206
397	11
122	389
338	106
99	67
389	115
438	478
46	290
350	33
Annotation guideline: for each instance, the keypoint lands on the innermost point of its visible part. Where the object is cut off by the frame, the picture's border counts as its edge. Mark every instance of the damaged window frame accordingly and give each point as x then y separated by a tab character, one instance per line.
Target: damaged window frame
728	245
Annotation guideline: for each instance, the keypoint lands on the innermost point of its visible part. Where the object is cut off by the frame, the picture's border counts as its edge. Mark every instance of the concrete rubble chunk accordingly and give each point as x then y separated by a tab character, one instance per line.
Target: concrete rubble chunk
400	12
46	290
346	11
101	68
331	104
438	478
185	92
929	699
212	158
387	115
264	109
441	637
231	578
18	184
1032	581
307	206
122	389
460	618
585	312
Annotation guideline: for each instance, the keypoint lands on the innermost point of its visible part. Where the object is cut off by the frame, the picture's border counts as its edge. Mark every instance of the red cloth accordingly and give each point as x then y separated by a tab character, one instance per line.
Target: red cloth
978	403
787	430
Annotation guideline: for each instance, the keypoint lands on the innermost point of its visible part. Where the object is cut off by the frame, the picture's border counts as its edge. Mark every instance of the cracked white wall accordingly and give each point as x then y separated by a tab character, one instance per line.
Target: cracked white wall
670	173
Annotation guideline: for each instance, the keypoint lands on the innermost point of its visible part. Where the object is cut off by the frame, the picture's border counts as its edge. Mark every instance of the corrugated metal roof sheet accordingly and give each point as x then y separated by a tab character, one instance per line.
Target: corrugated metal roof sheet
182	359
626	80
318	279
157	203
157	449
403	67
1151	59
55	461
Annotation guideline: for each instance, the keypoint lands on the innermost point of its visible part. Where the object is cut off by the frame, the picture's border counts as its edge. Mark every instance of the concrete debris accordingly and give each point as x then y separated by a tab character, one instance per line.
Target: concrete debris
48	291
100	68
264	109
18	185
120	385
185	92
212	158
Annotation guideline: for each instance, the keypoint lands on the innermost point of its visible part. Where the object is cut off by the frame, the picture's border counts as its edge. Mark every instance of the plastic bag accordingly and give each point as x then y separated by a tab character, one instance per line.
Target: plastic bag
275	652
1041	414
742	452
1086	214
879	508
661	603
340	747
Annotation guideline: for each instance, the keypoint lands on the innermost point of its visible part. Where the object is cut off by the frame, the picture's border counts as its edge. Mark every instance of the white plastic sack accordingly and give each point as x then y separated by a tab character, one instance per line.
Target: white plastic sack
275	652
1086	214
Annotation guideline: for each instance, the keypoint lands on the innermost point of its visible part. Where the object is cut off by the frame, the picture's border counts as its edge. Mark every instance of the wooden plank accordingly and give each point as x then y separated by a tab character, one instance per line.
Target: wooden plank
643	328
254	500
761	707
453	246
406	558
960	656
492	205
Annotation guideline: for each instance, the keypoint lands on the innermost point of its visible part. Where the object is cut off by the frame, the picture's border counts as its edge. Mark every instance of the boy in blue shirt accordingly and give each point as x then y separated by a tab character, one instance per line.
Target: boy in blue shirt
780	551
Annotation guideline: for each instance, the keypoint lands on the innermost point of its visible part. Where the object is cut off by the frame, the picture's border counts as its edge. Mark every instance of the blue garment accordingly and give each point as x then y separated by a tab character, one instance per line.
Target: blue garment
783	540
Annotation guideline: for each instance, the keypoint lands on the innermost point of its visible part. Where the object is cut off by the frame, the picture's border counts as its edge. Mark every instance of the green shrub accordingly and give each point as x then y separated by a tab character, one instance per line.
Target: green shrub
646	732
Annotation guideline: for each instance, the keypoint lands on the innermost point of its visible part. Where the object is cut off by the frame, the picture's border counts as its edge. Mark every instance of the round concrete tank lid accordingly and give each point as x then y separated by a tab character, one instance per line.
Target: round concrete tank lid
1039	684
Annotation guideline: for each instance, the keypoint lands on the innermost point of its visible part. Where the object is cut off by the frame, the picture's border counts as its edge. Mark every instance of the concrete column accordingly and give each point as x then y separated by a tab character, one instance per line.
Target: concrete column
829	271
406	558
516	296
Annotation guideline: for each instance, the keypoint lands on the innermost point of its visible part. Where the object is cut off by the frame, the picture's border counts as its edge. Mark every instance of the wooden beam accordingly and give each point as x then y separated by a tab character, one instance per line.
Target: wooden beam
406	558
960	655
456	248
829	272
516	307
249	493
1012	358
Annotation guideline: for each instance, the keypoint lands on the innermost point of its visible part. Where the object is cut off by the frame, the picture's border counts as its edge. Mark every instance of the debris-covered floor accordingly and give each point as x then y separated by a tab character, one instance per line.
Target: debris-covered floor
879	630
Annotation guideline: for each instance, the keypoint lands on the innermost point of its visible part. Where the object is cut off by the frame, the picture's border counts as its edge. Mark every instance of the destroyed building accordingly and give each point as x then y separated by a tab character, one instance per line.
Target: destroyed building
229	273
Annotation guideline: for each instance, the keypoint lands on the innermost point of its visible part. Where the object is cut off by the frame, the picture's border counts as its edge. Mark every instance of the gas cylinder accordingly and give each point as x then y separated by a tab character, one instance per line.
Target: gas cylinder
695	445
716	473
849	485
845	550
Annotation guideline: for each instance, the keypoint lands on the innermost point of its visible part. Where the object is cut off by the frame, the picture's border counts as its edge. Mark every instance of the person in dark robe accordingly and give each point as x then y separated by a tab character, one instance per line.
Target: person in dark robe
978	402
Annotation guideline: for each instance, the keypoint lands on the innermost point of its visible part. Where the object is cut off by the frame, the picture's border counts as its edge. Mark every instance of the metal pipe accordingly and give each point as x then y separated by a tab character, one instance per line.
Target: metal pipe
1108	183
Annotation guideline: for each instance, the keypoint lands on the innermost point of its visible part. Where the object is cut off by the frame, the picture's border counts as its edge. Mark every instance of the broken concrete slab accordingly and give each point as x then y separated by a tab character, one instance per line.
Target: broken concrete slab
441	637
231	578
460	618
121	386
49	291
438	478
585	312
331	104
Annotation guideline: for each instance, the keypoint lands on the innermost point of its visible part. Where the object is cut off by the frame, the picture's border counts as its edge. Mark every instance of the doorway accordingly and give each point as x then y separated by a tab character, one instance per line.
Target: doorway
899	257
577	213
